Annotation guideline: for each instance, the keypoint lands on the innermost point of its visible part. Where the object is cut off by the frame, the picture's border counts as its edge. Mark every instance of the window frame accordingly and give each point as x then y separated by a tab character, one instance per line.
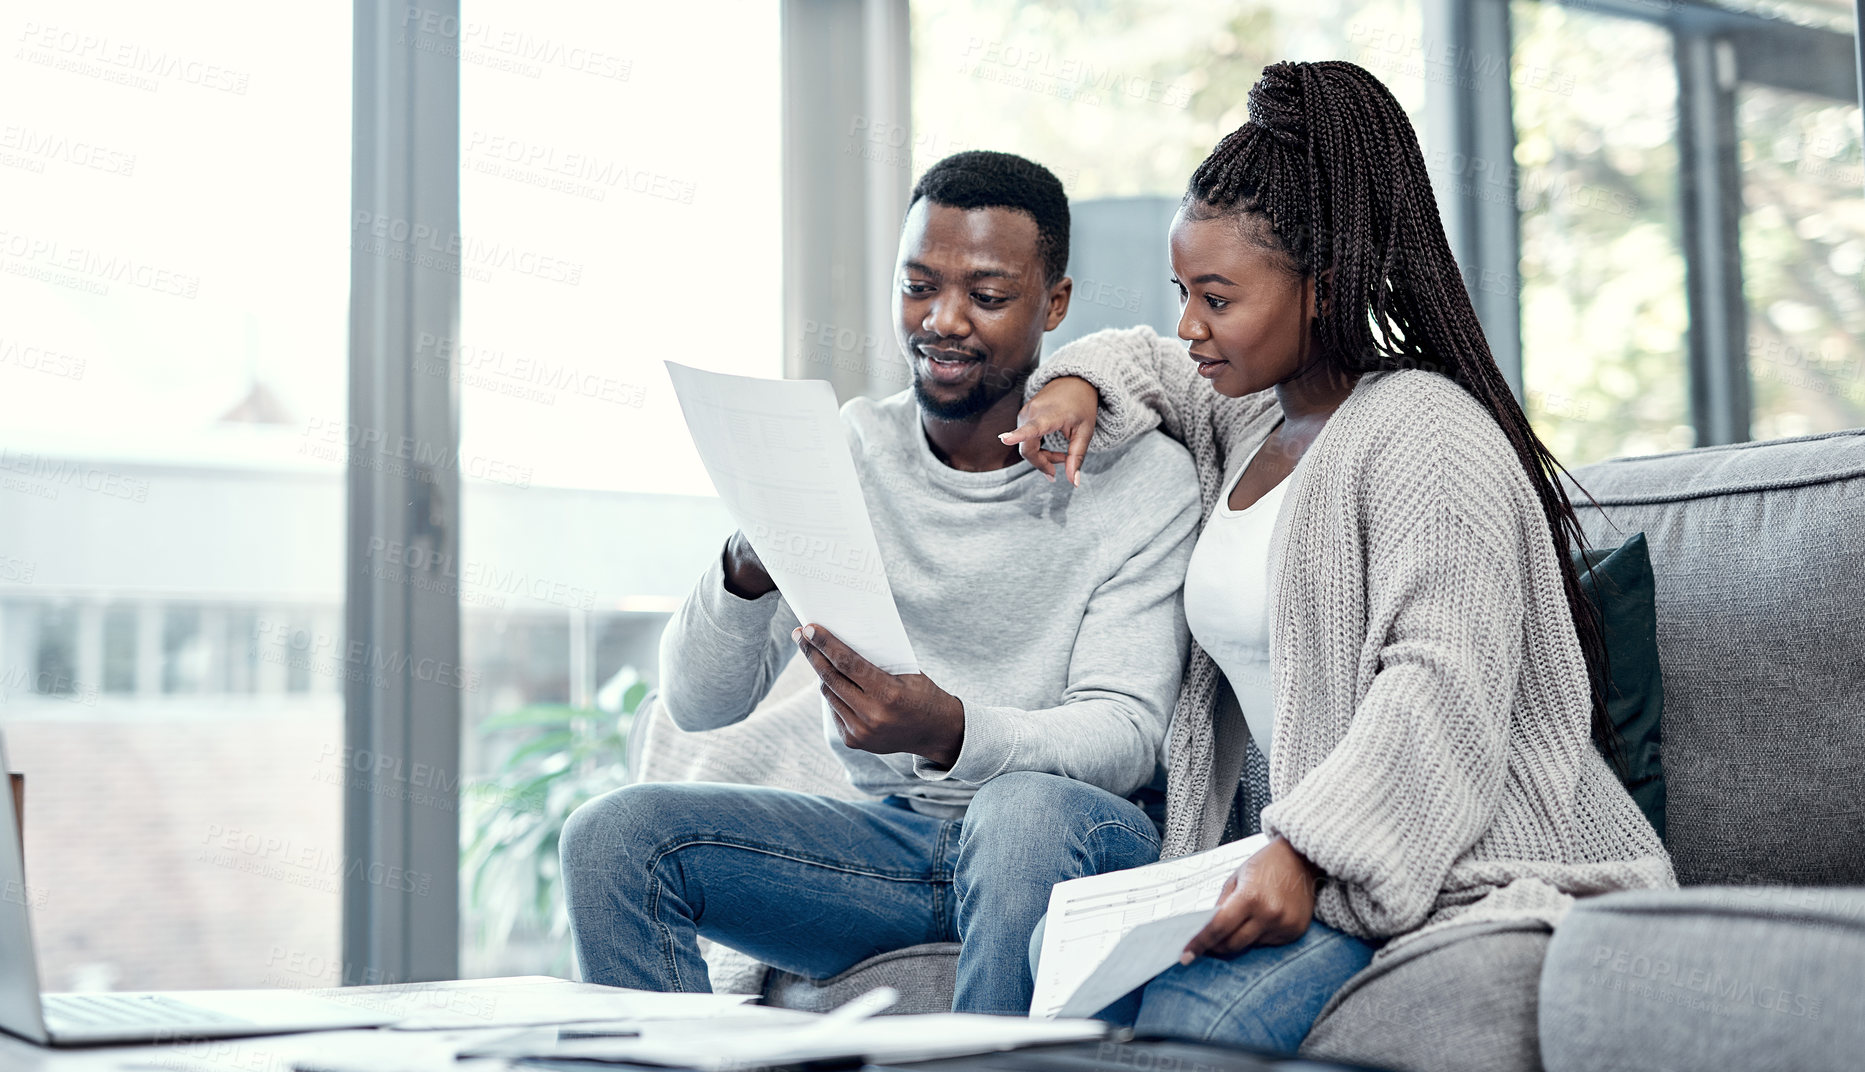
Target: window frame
1717	51
397	823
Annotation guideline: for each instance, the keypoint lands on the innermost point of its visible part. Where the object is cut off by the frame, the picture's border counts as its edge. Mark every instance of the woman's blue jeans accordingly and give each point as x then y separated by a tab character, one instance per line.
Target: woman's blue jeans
1266	997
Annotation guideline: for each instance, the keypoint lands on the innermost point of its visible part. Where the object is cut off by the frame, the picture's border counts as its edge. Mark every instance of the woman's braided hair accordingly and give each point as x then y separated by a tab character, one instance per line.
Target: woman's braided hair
1329	161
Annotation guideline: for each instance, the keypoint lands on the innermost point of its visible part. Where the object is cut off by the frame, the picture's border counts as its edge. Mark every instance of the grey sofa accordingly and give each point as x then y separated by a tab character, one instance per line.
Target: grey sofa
1759	962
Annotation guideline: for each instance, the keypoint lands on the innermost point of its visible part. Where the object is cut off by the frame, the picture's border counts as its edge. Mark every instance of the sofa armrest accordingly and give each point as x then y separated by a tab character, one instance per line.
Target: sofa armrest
1707	977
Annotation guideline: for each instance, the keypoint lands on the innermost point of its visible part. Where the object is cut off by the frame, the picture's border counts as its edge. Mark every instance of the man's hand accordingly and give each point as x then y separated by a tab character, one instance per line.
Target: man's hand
1269	901
1066	404
744	573
880	712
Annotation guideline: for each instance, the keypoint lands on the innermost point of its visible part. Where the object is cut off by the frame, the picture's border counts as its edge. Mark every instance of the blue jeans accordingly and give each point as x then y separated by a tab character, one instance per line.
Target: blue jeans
1266	997
814	886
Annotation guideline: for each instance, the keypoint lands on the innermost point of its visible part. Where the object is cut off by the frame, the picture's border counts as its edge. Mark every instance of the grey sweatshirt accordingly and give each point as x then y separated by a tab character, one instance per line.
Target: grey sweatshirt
1052	613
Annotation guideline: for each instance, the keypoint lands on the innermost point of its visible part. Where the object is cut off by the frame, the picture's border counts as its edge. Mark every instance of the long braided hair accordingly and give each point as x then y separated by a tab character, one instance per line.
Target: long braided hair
1329	161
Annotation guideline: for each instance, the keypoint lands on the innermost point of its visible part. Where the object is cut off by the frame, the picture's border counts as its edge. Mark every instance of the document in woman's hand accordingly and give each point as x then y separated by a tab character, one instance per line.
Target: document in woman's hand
1107	934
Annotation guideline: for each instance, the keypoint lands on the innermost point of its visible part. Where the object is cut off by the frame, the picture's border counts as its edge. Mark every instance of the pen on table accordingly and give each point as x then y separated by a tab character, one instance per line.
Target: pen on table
597	1032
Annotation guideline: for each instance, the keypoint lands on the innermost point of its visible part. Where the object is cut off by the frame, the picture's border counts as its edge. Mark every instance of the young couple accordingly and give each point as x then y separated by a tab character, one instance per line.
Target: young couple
1373	552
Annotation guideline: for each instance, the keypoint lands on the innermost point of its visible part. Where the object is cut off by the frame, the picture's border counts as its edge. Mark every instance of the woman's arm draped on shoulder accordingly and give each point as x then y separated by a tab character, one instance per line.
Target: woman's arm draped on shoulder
1146	382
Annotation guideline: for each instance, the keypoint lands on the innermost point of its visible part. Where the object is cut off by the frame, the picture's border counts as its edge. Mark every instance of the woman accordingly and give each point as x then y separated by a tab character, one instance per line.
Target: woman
1383	576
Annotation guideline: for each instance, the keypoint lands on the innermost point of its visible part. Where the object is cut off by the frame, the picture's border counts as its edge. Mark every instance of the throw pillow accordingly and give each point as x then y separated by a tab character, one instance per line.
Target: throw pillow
1620	584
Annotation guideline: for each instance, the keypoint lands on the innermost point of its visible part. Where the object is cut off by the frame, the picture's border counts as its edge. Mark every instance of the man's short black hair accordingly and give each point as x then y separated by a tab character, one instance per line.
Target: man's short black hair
979	178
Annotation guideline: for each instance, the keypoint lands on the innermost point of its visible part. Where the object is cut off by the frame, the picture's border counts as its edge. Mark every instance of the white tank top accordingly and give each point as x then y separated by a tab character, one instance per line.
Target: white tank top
1227	602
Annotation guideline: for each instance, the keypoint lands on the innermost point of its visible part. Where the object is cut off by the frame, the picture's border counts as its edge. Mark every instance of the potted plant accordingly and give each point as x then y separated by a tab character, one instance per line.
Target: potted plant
556	758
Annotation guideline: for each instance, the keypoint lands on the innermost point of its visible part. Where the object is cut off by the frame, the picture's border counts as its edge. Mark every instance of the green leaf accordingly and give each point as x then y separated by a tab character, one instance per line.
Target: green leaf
554	741
631	699
559	757
537	715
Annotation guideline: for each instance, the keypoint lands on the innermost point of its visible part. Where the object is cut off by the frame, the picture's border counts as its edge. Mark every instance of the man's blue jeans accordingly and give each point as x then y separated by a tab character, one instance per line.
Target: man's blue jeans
1266	997
814	886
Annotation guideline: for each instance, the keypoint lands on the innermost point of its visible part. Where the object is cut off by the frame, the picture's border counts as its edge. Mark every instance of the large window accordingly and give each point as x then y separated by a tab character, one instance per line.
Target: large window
1803	255
1126	98
174	190
1692	224
630	155
1595	180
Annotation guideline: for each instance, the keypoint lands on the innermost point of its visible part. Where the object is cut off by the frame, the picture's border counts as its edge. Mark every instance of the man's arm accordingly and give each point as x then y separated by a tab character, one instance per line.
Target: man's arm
721	650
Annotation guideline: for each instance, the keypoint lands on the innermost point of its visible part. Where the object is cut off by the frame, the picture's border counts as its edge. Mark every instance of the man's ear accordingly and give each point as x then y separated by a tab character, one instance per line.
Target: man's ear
1059	296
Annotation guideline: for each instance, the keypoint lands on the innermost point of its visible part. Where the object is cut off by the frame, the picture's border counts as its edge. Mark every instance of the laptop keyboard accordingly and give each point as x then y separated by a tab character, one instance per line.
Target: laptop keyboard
99	1011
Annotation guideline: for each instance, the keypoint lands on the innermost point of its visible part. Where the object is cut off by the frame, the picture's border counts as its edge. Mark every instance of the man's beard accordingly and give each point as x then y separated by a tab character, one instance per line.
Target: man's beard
991	386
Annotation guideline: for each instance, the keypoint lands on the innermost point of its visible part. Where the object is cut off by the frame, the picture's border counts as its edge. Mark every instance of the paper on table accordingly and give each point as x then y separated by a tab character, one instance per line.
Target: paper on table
1089	918
329	1051
518	1003
778	454
880	1040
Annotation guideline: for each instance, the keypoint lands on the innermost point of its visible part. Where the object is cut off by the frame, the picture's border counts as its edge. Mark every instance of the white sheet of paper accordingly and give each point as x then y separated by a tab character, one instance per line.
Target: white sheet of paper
516	1003
778	454
879	1039
1141	953
1088	917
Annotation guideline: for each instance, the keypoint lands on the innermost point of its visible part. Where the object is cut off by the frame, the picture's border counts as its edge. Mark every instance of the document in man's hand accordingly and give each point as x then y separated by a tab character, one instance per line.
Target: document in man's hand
778	455
1107	934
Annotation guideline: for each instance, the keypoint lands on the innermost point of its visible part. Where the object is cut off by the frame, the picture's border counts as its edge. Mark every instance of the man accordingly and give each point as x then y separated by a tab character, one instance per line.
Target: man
1048	626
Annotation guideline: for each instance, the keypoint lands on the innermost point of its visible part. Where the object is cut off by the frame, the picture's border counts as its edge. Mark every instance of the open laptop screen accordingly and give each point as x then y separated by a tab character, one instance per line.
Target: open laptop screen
20	1013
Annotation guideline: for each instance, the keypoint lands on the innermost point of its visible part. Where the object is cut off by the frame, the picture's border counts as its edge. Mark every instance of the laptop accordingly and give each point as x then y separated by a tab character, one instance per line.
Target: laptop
91	1019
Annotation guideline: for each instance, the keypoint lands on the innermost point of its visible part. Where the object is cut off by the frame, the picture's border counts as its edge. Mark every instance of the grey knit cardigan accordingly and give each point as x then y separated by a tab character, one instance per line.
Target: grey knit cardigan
1432	746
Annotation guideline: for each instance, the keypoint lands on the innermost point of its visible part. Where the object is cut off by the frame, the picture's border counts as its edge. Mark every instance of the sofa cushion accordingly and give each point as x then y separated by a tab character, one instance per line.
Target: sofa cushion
925	975
1463	998
1713	977
1758	553
732	972
779	744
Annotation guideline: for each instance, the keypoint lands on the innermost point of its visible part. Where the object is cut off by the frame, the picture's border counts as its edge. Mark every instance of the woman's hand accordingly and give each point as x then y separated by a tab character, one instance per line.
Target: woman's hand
1066	404
1269	901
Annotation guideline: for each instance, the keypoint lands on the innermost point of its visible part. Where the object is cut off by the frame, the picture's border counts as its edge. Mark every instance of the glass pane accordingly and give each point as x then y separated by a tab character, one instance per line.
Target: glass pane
1826	14
1604	309
174	197
636	233
120	649
1124	98
1803	254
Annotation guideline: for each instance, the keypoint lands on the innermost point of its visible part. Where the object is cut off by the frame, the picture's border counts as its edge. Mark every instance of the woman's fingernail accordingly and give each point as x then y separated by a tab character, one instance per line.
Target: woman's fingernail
1186	958
796	633
1004	438
809	632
